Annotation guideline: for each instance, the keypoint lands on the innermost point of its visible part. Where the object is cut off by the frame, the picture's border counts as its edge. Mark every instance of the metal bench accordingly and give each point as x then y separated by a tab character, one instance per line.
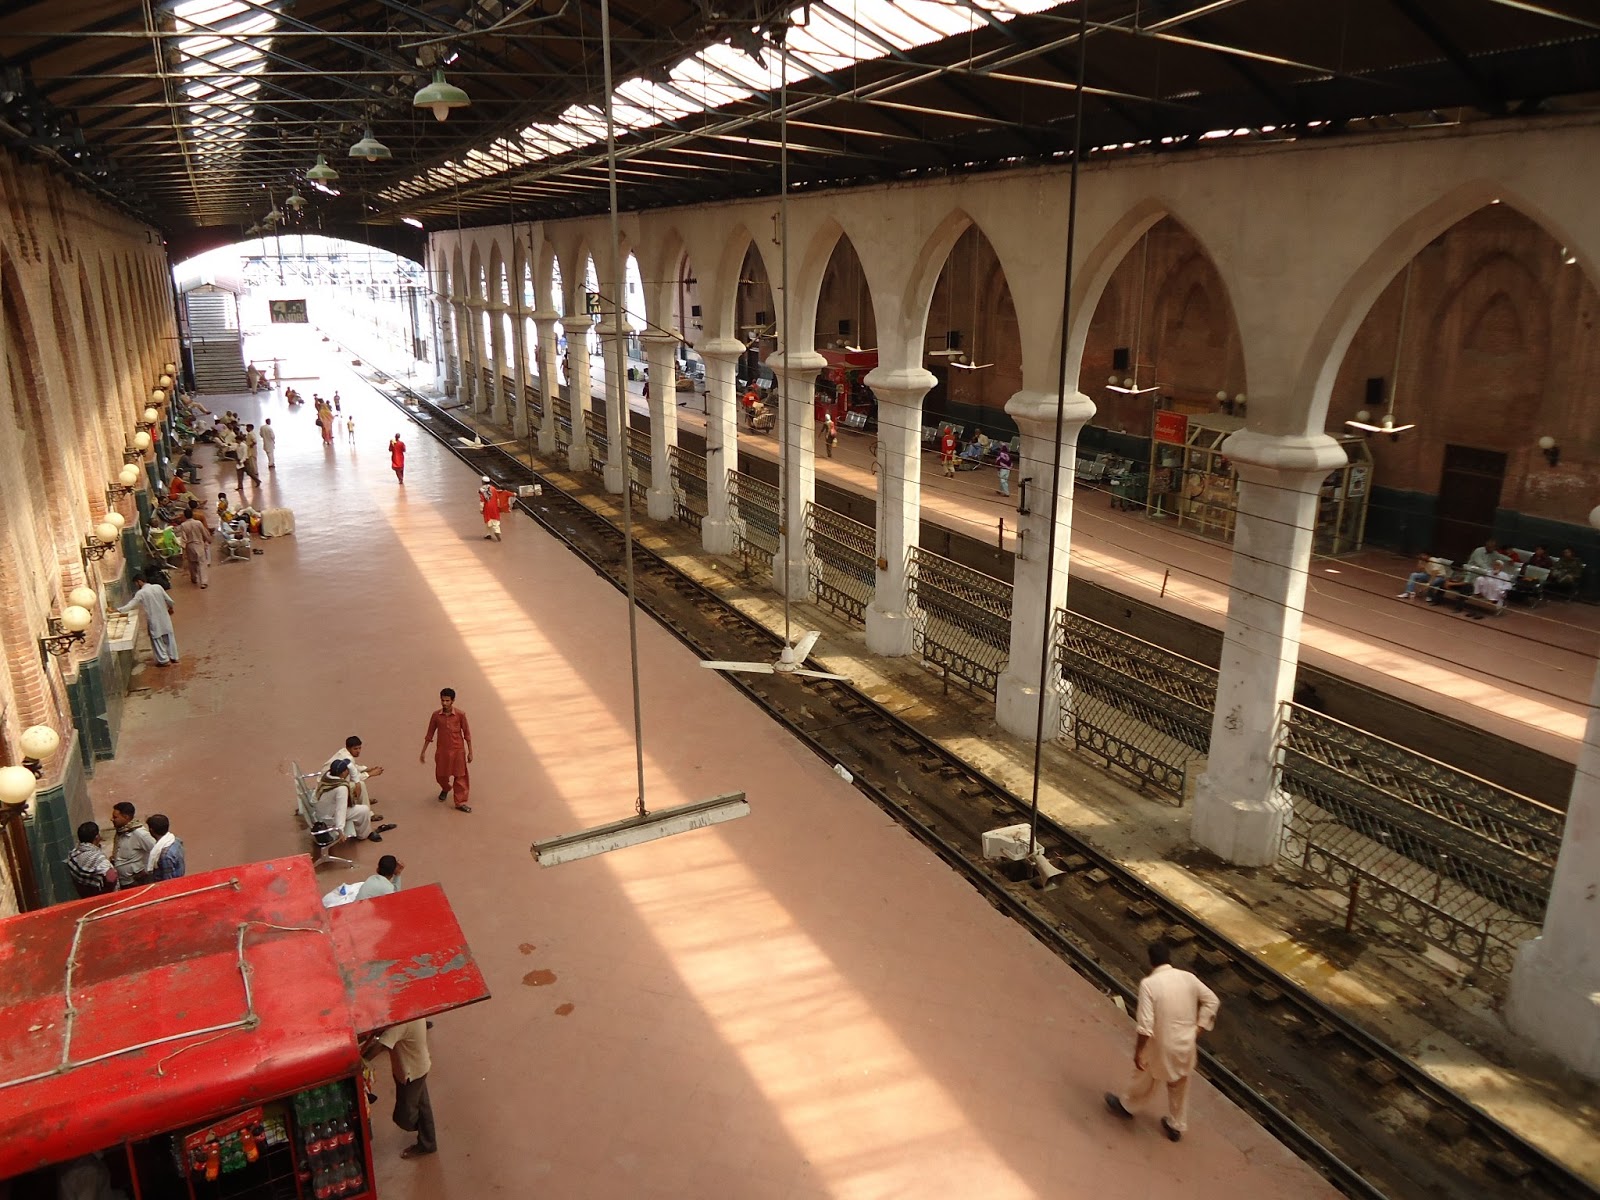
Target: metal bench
323	839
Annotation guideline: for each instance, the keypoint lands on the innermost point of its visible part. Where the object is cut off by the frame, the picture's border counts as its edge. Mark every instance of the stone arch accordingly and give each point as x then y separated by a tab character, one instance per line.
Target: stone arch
723	308
663	280
458	274
1094	270
969	308
45	452
1164	307
76	430
1327	348
26	532
839	293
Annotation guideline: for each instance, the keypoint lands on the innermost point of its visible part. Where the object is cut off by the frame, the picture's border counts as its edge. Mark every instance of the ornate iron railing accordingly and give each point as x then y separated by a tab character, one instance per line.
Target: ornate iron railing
1134	704
638	462
962	620
754	505
594	432
1462	863
689	502
841	558
563	424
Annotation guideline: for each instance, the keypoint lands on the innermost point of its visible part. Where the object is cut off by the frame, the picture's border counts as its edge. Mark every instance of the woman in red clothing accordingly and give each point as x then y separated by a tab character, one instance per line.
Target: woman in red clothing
397	458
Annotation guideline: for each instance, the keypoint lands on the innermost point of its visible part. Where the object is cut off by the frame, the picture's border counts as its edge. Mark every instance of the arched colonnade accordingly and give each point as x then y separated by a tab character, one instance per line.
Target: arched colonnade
1304	238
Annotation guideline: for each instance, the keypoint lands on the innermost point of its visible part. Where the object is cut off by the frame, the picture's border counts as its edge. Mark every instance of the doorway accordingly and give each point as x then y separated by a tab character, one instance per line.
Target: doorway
1469	494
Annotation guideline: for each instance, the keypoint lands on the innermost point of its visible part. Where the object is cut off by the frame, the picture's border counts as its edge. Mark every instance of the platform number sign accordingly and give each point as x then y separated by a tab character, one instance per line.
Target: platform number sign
591	303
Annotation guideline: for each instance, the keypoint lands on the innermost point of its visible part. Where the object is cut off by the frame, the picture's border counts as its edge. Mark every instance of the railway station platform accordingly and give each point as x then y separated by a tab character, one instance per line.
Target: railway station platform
1524	676
1418	1002
805	1003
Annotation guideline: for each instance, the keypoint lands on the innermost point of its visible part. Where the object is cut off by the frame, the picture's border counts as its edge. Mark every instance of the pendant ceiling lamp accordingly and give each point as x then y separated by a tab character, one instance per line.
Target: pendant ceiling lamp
321	172
295	201
441	96
369	147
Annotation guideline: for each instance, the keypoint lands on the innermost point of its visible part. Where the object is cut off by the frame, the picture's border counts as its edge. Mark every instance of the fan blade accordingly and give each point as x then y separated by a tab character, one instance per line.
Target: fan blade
754	668
802	648
820	675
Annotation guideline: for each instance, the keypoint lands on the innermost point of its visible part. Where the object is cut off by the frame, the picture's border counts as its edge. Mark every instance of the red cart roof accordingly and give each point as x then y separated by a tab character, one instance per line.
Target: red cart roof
162	964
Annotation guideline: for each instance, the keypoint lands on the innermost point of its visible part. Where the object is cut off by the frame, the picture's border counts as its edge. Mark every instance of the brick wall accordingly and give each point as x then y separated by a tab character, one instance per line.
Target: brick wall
87	325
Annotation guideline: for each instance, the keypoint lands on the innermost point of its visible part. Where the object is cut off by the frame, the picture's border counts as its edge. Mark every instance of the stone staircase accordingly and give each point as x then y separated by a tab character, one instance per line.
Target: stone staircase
215	341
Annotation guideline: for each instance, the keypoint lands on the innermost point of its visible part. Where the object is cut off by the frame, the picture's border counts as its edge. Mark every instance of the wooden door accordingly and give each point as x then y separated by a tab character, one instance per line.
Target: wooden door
1469	493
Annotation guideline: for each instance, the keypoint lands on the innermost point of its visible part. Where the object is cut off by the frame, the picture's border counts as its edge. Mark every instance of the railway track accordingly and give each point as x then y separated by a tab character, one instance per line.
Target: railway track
1360	1113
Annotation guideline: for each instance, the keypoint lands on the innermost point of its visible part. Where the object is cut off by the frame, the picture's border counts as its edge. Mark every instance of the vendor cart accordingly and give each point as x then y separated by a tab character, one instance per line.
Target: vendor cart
198	1038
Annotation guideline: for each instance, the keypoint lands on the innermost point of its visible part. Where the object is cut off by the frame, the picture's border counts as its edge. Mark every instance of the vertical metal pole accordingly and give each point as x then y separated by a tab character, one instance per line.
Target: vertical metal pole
617	374
1061	400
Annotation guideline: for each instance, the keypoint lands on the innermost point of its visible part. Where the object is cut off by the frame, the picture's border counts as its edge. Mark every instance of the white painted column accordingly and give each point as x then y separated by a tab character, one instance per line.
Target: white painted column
544	324
899	393
520	375
722	440
1555	986
616	468
579	390
476	355
1239	811
1018	696
445	319
660	353
497	357
462	319
797	374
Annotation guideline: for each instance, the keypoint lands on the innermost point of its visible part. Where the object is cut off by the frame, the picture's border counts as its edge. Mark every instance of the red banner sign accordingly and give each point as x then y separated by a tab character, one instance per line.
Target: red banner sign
1172	427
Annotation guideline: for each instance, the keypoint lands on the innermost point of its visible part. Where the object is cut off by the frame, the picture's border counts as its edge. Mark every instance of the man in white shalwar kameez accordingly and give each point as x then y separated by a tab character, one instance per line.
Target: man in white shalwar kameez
152	599
1174	1006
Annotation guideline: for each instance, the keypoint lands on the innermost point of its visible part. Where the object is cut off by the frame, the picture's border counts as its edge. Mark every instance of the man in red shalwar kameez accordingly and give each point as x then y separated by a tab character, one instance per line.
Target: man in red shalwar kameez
454	752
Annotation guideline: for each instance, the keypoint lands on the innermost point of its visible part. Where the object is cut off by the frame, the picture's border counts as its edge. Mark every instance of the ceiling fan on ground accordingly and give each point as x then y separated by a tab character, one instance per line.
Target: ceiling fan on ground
791	661
1387	425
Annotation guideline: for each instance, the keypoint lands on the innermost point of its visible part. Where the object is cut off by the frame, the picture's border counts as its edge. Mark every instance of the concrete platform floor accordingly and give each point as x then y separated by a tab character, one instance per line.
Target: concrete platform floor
801	1004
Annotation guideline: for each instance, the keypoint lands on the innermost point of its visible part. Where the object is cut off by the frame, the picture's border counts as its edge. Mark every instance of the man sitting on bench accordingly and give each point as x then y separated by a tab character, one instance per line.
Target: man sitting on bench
333	803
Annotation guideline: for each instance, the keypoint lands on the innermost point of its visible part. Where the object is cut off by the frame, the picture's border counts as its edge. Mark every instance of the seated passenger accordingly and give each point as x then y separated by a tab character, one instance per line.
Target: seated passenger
333	803
1495	585
1565	572
1485	560
1421	572
1541	558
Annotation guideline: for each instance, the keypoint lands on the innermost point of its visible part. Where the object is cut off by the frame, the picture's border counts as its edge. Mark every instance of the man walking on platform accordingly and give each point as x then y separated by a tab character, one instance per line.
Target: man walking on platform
1174	1006
269	442
493	501
454	751
196	546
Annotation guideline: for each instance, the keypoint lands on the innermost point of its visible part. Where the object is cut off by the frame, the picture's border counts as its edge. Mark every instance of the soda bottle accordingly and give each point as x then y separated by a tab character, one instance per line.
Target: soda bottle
347	1136
321	1186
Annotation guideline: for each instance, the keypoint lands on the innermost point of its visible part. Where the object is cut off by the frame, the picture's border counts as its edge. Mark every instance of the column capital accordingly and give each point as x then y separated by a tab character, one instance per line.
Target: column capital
1280	458
798	362
518	309
475	302
1035	412
655	337
606	329
725	349
545	316
495	306
900	385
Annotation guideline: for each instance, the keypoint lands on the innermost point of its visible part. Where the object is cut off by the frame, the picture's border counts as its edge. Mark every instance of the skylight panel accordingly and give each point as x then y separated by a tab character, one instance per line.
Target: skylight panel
836	35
